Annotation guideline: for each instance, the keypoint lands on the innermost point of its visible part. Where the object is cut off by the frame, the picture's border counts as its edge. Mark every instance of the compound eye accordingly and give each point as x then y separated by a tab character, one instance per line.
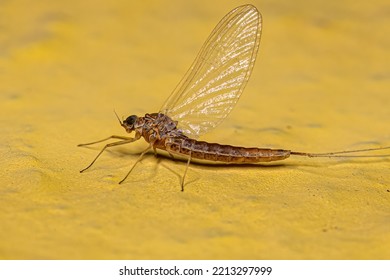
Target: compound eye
131	120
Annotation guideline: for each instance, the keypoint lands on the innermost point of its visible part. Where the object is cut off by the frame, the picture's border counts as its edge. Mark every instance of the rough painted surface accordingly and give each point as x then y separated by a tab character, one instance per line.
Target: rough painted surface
321	83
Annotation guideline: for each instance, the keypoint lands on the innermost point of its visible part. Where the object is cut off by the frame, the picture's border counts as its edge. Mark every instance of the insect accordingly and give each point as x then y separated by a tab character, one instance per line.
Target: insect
205	96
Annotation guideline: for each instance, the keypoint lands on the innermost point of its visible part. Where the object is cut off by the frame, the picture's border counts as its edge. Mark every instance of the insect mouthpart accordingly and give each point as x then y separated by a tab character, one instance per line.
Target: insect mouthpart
128	123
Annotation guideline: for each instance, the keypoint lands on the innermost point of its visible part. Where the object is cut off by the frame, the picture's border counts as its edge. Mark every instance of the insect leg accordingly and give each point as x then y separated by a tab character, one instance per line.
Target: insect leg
156	154
185	173
155	151
105	139
128	140
171	152
171	155
138	160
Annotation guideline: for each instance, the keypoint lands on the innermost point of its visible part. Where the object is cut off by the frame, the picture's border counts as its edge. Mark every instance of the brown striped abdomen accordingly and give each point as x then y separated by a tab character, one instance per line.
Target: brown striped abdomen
224	153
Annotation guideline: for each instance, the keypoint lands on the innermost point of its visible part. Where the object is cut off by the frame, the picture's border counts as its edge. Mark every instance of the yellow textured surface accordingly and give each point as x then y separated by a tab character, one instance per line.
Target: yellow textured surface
321	83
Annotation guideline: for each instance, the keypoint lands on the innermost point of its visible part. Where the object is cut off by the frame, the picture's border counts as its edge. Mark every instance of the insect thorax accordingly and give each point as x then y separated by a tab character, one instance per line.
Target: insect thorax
158	126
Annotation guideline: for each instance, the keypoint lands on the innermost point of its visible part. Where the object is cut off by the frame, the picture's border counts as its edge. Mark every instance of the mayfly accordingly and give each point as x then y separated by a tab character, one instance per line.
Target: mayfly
205	96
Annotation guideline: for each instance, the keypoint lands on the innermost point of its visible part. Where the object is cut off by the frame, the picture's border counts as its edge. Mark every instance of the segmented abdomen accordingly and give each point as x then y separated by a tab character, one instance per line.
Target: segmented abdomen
224	153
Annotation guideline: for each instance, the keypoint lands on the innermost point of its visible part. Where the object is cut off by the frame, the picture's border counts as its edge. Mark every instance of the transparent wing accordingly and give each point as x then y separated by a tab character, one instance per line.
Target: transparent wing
214	83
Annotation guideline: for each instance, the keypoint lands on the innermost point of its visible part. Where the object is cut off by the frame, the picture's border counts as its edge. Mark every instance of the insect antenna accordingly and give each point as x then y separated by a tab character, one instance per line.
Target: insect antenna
120	122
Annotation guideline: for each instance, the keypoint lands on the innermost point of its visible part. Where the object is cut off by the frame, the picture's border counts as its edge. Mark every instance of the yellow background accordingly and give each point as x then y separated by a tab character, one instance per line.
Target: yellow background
321	83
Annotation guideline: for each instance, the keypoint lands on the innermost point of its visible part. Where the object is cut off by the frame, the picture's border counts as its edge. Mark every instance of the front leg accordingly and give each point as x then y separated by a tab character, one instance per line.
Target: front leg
108	138
124	141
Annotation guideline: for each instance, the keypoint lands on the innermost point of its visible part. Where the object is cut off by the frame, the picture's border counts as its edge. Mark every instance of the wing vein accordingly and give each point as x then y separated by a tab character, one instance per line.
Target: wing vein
214	83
